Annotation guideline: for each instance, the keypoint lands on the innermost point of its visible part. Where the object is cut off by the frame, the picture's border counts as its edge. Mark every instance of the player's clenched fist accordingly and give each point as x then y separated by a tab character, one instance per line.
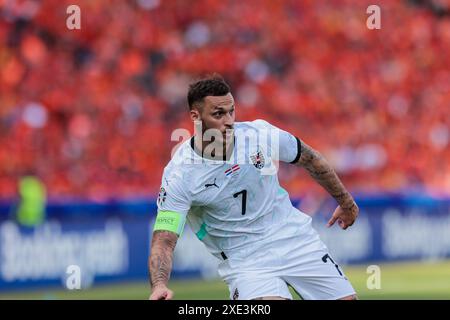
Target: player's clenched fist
161	293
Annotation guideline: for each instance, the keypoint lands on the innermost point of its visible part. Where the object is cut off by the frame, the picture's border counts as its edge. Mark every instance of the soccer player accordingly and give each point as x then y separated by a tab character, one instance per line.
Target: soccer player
223	182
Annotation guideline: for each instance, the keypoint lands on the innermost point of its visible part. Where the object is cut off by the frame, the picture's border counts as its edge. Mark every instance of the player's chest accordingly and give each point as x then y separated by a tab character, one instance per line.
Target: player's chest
218	187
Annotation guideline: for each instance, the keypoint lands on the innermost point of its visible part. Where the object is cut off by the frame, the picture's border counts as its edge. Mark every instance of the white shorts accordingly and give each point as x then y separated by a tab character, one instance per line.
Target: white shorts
294	256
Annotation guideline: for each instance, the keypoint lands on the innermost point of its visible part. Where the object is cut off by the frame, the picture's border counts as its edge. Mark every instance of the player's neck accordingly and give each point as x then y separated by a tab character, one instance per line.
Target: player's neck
211	151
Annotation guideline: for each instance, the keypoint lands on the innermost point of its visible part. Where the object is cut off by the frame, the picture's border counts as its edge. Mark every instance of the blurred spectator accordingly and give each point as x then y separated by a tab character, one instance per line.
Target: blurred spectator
31	210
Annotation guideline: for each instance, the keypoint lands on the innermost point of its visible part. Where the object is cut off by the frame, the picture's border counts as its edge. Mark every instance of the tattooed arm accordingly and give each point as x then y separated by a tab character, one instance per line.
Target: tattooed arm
322	172
160	263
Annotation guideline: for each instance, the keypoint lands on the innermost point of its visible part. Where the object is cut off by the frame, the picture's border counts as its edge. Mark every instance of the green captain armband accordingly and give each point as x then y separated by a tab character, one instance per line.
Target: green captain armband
170	221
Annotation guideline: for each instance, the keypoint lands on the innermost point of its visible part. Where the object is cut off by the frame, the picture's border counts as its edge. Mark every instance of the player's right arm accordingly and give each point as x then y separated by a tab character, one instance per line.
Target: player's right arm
173	205
160	263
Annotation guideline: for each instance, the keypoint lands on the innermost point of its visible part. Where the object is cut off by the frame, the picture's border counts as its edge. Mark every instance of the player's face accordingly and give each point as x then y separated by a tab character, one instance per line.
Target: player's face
218	113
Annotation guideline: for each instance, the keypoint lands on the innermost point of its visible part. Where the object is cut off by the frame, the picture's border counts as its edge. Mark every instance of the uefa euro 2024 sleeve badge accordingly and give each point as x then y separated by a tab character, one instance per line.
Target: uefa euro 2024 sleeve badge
162	196
258	159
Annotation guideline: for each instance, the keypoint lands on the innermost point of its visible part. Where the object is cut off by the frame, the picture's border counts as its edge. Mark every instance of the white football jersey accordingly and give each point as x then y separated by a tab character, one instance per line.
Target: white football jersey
231	205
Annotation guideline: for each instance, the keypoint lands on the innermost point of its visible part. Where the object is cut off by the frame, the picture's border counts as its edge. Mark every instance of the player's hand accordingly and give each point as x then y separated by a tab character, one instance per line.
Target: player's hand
161	292
345	217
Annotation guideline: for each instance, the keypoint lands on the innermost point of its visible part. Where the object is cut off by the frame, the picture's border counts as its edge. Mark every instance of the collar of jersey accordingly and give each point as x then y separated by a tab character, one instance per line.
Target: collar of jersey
191	144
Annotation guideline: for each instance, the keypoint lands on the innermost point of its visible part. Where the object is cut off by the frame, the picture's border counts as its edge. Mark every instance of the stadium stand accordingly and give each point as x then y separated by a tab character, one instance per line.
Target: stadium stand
91	111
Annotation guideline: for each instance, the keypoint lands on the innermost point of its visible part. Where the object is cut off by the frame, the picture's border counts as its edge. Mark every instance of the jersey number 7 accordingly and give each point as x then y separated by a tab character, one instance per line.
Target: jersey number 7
244	199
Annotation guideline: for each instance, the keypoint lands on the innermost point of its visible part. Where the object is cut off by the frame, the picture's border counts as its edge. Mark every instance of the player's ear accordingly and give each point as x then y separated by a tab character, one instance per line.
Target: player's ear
195	114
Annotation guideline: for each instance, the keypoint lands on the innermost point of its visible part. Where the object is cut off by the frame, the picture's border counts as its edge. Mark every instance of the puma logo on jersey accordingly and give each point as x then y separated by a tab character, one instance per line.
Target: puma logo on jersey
212	184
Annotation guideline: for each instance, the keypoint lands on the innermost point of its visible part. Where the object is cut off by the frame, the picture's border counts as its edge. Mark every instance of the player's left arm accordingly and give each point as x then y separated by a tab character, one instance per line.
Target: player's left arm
322	172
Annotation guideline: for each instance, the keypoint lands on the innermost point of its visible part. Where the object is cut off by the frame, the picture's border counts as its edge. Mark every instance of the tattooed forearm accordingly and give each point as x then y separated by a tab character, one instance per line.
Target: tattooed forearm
160	261
321	171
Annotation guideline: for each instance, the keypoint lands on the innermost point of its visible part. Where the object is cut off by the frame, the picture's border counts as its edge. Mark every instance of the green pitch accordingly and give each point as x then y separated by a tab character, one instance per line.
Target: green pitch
398	281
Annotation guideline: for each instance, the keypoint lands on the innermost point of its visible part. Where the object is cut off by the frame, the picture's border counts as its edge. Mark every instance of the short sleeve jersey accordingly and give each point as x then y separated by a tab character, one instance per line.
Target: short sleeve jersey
231	204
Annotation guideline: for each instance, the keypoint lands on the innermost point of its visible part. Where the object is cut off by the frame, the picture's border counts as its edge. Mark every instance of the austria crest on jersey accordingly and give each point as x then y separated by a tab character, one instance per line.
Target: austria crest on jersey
258	159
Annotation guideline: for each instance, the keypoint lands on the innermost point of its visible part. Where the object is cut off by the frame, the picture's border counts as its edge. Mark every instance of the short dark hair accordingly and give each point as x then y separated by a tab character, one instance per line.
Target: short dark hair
213	85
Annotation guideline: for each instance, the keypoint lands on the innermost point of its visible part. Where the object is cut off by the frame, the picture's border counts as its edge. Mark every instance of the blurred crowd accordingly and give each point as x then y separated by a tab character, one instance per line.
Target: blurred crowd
91	111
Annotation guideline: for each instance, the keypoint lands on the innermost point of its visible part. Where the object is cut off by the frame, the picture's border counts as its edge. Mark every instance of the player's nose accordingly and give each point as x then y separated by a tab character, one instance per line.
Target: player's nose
228	121
228	127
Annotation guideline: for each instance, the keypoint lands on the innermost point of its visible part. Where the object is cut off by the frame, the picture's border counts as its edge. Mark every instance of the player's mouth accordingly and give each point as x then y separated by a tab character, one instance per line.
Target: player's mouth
228	133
